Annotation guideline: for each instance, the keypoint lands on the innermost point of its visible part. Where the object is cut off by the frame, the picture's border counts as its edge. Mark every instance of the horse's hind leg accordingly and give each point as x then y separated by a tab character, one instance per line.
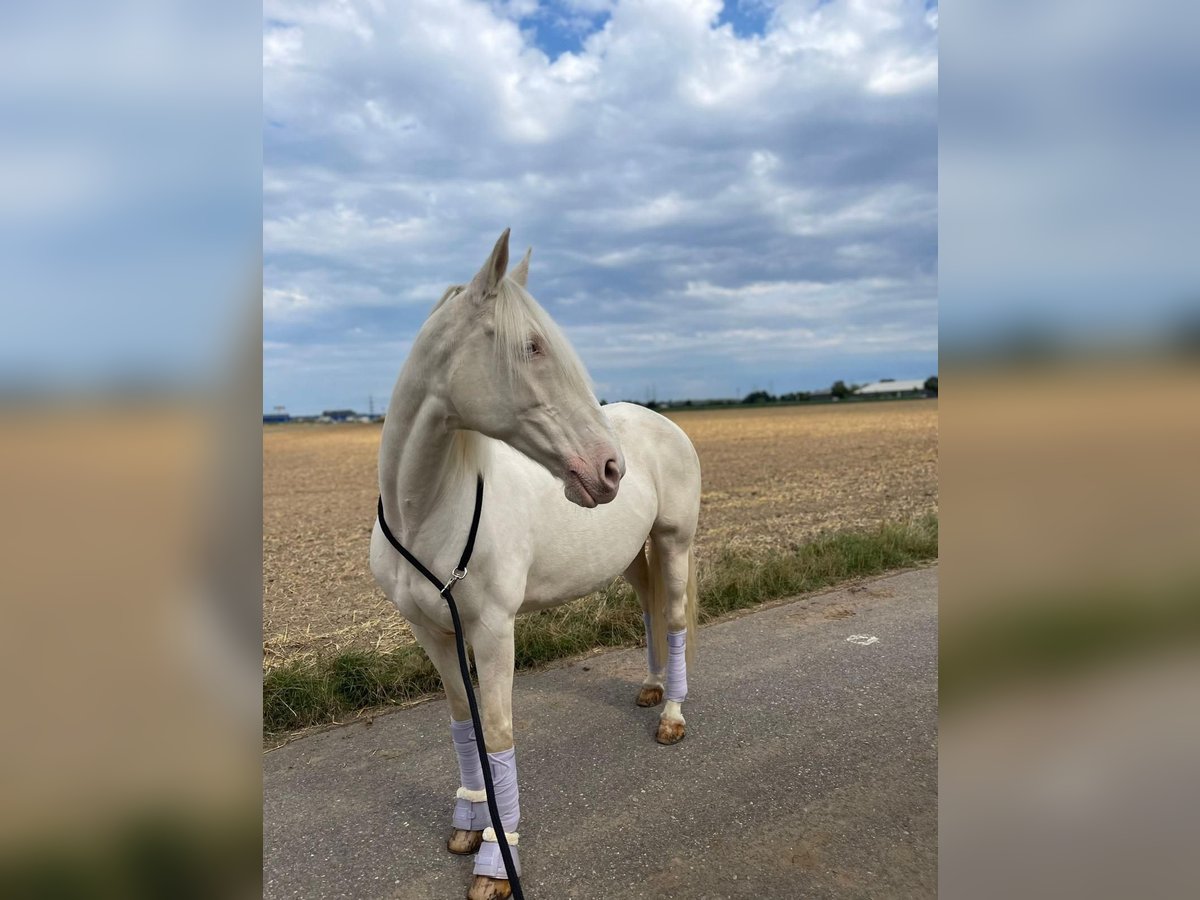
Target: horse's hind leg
470	814
638	576
673	581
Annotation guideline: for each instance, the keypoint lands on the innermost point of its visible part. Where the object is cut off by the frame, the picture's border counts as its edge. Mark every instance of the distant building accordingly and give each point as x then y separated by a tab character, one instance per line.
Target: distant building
880	389
338	415
275	418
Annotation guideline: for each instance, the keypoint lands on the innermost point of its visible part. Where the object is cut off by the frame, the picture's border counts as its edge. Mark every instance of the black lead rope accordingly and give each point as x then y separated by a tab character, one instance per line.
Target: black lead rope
444	589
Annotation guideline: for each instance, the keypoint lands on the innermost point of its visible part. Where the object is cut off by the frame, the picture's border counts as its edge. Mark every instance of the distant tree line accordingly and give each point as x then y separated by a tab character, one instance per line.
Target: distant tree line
839	390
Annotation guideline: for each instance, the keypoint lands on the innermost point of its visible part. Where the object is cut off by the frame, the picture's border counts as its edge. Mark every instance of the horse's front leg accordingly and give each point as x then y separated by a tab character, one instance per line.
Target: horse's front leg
470	816
492	642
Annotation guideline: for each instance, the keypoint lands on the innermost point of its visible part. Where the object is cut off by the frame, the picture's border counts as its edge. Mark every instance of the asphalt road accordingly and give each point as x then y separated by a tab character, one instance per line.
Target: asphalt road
809	770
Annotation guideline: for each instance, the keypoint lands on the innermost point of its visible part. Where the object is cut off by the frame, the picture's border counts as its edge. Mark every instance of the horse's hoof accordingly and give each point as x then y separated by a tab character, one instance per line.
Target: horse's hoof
650	695
669	732
484	888
464	843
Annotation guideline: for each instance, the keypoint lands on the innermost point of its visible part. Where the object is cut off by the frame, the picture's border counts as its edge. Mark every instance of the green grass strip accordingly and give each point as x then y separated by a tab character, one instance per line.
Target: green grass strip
310	693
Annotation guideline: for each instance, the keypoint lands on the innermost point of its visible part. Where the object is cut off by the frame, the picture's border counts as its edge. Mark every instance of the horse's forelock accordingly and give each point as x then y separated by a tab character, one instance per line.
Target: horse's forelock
518	316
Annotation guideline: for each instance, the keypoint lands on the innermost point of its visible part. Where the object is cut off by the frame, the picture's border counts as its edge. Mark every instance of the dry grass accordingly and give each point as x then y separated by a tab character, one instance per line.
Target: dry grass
774	478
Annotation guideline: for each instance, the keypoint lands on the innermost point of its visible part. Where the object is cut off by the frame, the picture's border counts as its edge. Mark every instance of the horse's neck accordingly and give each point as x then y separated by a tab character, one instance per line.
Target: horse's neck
423	463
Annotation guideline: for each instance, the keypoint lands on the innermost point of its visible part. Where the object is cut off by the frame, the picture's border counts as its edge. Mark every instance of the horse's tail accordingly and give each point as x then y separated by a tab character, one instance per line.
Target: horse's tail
658	604
693	607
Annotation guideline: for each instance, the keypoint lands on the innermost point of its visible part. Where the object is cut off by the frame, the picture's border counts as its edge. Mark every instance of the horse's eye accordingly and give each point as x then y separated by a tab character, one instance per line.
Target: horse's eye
533	347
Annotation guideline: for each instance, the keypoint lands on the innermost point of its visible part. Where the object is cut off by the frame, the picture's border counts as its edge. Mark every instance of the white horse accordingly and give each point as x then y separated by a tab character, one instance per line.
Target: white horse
492	387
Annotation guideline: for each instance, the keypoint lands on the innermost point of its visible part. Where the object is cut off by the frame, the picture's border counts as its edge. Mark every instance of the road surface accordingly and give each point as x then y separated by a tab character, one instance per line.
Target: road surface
809	770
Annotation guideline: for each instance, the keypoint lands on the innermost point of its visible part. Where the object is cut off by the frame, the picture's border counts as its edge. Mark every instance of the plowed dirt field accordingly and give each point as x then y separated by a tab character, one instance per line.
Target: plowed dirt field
774	477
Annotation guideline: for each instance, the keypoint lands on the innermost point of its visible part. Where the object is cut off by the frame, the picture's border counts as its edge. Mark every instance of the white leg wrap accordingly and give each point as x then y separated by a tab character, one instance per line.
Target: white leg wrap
469	770
470	804
488	860
677	665
652	663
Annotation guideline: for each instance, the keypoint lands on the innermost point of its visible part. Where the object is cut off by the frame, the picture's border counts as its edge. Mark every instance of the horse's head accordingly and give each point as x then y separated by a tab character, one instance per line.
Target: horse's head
514	377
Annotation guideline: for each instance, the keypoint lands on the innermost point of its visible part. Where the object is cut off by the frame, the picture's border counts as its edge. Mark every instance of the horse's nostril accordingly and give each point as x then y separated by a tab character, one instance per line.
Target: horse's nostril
612	473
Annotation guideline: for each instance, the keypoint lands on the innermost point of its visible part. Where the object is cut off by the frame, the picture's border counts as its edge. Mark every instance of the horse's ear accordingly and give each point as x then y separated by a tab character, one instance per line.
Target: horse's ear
485	282
521	273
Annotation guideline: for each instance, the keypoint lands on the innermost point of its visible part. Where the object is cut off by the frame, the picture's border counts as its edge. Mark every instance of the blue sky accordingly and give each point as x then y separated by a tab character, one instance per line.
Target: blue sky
719	197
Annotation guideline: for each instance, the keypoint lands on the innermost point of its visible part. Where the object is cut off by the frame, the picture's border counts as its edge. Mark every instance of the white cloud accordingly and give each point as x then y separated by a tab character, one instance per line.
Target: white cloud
665	155
282	47
910	73
342	230
283	304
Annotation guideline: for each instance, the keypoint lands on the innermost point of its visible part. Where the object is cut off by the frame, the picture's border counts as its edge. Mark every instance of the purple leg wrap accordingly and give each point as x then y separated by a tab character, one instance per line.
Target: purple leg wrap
488	860
652	663
676	666
467	815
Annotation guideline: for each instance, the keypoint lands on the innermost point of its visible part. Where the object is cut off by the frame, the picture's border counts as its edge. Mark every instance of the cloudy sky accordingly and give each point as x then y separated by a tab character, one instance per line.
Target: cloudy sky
719	197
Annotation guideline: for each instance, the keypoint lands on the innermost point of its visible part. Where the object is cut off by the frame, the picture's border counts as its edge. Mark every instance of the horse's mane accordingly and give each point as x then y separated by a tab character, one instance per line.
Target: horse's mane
450	292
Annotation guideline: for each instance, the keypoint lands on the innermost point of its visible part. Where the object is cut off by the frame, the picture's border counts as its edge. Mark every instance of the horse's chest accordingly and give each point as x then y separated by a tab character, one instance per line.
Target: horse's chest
412	595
